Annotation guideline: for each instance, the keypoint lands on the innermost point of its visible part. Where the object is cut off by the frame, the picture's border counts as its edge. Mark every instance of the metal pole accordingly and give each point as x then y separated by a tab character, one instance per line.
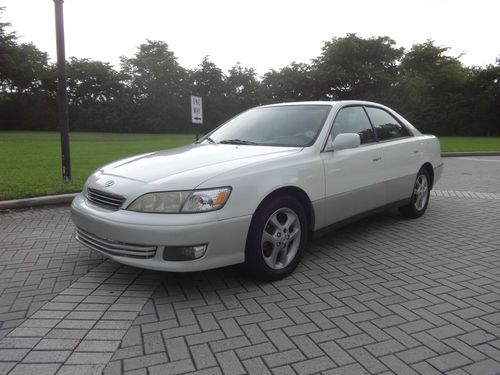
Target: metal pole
197	126
62	95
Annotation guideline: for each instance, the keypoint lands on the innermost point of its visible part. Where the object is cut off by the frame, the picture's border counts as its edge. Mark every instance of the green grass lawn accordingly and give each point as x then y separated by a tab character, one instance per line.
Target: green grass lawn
462	144
31	161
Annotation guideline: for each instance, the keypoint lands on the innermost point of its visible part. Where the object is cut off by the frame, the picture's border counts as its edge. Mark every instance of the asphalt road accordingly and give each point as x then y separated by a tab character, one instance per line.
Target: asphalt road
478	173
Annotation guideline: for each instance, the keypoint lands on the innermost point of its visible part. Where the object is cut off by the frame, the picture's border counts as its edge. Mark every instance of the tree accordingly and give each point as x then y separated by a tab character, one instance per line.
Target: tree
7	45
151	91
91	81
356	68
22	66
95	95
157	87
26	101
294	82
484	93
431	90
25	68
243	90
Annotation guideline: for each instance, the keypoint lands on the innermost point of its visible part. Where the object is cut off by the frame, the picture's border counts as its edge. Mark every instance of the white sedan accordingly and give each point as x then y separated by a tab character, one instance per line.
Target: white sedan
255	189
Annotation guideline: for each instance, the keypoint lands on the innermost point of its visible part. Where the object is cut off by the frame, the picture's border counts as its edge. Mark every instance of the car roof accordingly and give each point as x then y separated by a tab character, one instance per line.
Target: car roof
324	102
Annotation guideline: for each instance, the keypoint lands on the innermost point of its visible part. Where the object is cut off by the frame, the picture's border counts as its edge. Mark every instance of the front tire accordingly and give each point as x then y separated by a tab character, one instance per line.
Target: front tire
276	238
420	196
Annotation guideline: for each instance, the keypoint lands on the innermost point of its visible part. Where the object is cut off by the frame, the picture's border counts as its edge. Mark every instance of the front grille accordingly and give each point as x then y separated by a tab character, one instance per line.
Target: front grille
104	199
114	247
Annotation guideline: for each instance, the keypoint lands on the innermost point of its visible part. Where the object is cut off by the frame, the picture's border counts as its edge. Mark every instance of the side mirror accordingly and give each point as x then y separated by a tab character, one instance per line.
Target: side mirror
345	141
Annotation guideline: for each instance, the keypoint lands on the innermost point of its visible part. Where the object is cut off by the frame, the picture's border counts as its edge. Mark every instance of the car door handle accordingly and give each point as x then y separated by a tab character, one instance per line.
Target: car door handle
377	159
416	151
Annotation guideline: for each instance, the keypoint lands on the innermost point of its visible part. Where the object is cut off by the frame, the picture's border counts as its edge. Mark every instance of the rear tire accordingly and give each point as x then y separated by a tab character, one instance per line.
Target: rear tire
420	196
276	238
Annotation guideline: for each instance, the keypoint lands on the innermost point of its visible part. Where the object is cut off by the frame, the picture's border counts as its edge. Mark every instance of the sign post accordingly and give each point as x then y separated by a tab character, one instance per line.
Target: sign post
196	114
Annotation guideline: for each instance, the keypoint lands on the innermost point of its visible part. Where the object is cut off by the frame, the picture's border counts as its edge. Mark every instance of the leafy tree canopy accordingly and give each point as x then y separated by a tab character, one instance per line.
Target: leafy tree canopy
354	67
150	91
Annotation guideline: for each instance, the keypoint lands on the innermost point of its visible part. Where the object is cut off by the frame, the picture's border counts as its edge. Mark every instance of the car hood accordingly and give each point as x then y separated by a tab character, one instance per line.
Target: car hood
195	163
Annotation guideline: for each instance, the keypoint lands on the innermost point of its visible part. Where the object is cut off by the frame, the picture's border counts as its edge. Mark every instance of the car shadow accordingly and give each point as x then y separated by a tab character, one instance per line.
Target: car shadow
334	244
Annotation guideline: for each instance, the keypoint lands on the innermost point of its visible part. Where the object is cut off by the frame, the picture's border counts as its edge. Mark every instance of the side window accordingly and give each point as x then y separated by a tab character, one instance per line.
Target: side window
353	120
386	126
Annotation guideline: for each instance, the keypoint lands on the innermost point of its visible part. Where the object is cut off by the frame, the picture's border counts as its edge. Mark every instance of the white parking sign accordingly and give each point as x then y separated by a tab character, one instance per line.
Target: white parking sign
196	110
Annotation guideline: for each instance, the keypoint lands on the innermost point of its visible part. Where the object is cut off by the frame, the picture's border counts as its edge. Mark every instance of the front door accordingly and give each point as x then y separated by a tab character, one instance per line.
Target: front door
353	177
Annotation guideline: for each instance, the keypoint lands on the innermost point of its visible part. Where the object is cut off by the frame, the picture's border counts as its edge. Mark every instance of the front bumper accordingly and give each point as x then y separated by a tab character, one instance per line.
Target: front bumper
226	239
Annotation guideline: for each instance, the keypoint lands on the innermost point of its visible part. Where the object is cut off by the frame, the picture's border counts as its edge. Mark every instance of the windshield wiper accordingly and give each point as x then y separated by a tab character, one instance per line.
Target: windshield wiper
237	142
208	139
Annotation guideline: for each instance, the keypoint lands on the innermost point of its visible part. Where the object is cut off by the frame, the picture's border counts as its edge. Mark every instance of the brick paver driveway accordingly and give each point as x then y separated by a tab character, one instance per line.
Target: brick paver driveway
383	295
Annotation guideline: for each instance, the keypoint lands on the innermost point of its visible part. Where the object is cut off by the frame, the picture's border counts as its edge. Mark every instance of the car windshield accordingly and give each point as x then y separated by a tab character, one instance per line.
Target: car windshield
295	126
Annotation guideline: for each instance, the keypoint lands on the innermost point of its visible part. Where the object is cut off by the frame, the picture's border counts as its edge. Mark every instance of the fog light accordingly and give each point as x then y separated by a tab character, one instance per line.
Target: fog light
184	253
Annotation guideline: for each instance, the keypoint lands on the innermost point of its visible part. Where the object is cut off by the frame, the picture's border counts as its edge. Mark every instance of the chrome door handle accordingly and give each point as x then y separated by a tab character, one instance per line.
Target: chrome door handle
416	151
377	159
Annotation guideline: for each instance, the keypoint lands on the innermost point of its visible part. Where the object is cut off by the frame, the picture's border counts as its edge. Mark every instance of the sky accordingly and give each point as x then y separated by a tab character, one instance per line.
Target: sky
261	34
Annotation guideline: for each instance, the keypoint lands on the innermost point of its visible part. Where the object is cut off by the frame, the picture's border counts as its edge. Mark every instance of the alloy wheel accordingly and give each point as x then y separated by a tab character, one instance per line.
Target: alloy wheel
281	238
420	192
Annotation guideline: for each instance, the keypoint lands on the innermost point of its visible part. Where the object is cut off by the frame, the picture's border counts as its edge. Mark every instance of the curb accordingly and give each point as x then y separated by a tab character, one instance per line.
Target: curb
472	153
67	198
37	201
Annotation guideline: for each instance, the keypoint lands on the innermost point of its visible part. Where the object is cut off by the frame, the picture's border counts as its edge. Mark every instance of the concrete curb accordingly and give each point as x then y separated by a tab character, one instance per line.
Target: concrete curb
37	201
67	198
472	153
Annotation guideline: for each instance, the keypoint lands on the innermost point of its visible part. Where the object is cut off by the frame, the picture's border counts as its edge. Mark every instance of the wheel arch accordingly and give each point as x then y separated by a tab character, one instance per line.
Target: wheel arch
430	170
298	194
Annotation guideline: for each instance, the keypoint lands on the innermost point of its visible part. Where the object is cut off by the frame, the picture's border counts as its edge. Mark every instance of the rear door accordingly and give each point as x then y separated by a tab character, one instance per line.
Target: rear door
353	177
400	151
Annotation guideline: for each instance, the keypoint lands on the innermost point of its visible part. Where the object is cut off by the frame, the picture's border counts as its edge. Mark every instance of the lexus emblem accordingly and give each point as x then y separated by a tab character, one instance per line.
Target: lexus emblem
109	183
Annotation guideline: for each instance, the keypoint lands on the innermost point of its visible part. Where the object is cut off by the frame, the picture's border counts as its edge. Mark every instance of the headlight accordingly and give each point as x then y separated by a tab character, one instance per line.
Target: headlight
85	188
206	200
182	201
168	202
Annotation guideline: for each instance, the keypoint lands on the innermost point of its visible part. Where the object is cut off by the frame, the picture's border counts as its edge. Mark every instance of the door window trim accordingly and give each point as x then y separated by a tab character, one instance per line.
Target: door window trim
377	140
408	132
333	123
